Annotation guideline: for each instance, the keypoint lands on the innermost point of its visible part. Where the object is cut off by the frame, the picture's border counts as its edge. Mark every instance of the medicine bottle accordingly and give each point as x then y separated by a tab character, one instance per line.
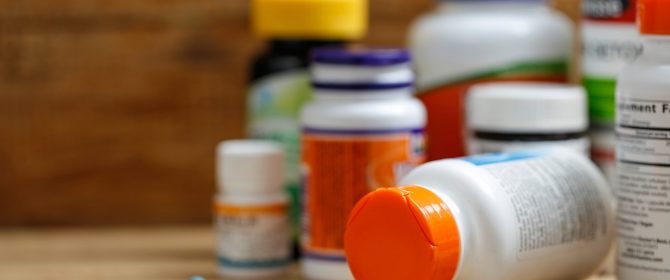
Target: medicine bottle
465	42
610	41
363	130
516	116
643	154
251	210
280	83
506	216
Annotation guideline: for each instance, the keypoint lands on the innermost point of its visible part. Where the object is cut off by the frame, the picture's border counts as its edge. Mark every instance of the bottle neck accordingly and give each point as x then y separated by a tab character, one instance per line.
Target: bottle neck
347	82
300	46
491	6
656	46
362	95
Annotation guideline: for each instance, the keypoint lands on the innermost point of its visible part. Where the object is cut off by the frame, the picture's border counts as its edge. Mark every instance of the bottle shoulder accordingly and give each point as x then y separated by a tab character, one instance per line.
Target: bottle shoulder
475	43
392	113
506	25
268	63
648	75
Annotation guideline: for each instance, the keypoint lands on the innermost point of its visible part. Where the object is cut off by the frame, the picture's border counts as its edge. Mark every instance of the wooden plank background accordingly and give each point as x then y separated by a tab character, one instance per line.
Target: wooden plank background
110	110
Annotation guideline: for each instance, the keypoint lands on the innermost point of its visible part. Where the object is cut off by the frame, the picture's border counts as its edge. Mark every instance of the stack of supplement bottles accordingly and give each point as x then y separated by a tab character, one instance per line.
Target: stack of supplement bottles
544	213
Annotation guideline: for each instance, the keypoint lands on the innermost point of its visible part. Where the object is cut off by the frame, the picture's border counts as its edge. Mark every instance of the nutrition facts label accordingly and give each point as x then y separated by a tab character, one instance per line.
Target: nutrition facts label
555	202
643	153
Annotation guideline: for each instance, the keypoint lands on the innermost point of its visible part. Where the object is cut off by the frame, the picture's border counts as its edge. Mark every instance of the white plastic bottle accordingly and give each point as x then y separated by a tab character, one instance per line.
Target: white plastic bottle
516	116
465	42
610	41
363	130
251	210
643	151
517	216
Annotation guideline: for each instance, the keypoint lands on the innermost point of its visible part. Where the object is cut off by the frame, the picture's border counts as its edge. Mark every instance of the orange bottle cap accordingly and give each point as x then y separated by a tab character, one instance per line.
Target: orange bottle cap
654	17
402	233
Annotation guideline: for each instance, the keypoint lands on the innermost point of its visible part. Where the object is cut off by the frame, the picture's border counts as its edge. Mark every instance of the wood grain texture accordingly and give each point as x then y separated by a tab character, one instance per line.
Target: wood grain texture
110	110
158	253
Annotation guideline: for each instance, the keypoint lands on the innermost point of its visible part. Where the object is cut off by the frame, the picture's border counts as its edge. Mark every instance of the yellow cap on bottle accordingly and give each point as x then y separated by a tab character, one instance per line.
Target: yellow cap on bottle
310	19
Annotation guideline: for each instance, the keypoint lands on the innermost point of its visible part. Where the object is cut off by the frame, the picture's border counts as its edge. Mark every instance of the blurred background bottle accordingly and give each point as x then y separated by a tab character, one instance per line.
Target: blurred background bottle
517	116
279	76
610	41
467	42
250	216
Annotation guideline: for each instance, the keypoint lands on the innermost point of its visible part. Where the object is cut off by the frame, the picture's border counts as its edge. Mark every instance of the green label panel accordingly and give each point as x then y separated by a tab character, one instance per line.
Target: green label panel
601	92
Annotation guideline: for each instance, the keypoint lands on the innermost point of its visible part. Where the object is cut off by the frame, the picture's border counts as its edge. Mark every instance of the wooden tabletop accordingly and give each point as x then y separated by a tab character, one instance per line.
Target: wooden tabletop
110	253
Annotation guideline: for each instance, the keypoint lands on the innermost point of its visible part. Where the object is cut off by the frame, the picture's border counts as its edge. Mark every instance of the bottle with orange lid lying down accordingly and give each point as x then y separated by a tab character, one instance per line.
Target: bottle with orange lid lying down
508	216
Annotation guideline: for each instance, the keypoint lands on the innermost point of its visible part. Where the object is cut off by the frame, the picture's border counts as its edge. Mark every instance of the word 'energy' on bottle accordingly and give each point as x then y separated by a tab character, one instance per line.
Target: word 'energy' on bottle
610	41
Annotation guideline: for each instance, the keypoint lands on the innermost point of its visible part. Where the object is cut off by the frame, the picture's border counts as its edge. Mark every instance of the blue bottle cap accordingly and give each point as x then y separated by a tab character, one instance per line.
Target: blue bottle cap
361	57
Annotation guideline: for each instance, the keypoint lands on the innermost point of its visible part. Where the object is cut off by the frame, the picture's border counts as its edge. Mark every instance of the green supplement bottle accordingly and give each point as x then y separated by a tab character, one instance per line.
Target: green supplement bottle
279	83
610	42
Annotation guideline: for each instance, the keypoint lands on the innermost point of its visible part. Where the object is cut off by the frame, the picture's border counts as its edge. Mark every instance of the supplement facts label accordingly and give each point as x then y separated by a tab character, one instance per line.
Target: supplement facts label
555	203
643	152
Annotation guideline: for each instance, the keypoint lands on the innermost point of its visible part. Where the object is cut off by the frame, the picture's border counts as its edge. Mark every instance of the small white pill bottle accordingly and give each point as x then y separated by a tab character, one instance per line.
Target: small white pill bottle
516	116
251	210
643	151
524	215
363	130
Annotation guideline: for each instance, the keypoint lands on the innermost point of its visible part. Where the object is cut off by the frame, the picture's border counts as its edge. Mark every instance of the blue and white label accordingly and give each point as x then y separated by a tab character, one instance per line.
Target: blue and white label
501	157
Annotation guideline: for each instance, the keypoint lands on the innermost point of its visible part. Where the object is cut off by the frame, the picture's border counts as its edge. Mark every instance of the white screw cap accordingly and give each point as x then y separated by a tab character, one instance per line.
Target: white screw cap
527	108
249	167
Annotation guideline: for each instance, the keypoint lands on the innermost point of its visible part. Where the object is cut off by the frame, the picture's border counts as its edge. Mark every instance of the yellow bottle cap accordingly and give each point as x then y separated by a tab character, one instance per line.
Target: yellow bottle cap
310	19
402	233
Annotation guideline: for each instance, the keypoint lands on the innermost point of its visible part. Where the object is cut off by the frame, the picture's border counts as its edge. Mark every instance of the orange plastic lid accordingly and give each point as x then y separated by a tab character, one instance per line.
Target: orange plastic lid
402	233
654	17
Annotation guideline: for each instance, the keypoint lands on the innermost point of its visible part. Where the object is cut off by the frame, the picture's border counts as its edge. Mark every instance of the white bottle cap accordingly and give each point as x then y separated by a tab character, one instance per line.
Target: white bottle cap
249	168
527	108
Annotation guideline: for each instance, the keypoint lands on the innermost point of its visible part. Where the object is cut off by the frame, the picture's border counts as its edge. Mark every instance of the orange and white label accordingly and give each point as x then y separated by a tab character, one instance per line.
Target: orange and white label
339	168
252	236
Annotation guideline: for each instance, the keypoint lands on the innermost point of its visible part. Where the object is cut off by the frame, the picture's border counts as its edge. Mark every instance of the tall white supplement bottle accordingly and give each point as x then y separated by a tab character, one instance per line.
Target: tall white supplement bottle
610	41
363	130
517	216
518	116
643	151
251	210
466	42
